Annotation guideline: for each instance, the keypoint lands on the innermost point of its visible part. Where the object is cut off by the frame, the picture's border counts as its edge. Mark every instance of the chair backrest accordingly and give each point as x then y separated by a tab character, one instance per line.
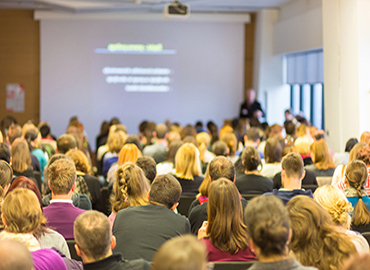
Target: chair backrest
184	204
367	236
242	265
311	187
72	250
37	175
250	196
105	207
324	180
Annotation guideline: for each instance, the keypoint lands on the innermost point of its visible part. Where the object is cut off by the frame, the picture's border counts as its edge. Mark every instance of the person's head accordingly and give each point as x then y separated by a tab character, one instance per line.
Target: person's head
44	128
353	153
21	157
292	166
134	138
356	174
188	130
302	130
21	212
5	153
203	139
104	128
316	240
365	137
275	131
130	188
62	176
288	114
14	255
165	190
253	135
161	131
24	182
6	177
226	228
268	225
148	166
303	145
80	160
115	141
33	138
250	159
173	147
333	200
289	127
231	142
350	144
221	167
364	155
65	143
358	262
128	153
250	95
114	121
289	149
14	132
273	150
181	253
187	161
93	236
219	148
321	156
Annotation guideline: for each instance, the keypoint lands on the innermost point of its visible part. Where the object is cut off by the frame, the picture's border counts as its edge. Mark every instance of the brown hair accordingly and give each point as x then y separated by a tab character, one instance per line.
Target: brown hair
221	167
116	141
226	229
251	158
356	175
293	165
93	234
128	153
321	155
181	253
165	190
65	143
148	165
6	176
21	157
353	153
204	187
364	155
273	150
219	148
268	224
61	175
130	188
22	212
80	160
231	142
316	241
172	150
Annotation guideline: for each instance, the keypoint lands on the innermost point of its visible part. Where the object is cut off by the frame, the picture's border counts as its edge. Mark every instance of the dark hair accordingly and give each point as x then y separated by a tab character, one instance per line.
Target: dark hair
188	130
253	134
14	132
250	158
30	136
350	143
221	167
5	153
273	150
148	165
135	140
104	128
219	148
165	190
44	130
293	165
268	224
114	121
65	143
289	127
172	150
143	125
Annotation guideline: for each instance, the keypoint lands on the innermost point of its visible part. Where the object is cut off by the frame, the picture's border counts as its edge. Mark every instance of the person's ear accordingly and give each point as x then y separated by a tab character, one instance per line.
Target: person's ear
303	174
283	173
78	250
3	219
234	179
113	242
73	186
289	236
174	206
49	185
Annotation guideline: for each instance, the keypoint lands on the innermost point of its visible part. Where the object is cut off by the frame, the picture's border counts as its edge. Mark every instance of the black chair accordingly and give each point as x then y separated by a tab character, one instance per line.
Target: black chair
104	201
311	187
250	196
367	236
184	204
37	175
72	250
231	265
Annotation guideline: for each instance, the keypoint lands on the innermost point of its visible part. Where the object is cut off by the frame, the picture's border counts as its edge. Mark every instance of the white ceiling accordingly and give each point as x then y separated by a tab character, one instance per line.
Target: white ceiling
142	6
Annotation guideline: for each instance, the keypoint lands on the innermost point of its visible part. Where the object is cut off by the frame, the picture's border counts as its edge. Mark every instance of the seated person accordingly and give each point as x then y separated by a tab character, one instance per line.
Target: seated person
252	181
14	255
292	173
158	150
225	233
148	165
217	168
272	152
181	253
323	164
141	230
94	243
61	213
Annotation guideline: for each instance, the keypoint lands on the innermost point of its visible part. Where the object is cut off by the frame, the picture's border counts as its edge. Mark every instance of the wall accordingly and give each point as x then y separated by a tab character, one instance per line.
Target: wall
20	60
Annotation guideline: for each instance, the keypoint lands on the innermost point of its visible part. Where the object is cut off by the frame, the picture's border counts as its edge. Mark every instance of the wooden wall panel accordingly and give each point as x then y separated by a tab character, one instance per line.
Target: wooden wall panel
249	52
20	60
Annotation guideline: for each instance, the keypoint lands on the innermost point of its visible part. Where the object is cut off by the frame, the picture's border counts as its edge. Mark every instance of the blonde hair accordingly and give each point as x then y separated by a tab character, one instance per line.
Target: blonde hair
231	142
226	129
128	153
130	188
321	155
302	145
203	140
6	176
115	141
204	187
22	212
61	175
27	126
21	157
333	200
365	137
80	160
187	161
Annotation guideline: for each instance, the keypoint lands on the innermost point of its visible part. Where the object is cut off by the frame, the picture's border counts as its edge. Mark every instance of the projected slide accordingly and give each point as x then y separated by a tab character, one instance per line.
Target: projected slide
134	78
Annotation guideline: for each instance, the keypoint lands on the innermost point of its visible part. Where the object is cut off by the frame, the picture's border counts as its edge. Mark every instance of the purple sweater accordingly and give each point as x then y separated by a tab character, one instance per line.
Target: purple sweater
61	216
47	259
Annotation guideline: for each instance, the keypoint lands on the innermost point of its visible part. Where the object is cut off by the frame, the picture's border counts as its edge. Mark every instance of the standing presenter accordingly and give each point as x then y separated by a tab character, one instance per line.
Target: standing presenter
250	108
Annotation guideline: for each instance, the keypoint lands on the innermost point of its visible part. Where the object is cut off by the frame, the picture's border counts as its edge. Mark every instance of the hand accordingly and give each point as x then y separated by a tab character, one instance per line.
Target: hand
202	232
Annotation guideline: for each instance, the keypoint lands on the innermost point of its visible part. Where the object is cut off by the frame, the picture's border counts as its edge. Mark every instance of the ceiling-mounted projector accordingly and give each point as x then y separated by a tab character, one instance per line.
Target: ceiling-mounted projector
176	10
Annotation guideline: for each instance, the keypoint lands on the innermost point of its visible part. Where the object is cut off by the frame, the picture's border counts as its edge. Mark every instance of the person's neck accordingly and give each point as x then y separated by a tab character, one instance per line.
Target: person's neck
274	258
61	196
161	141
252	172
85	259
292	183
251	143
